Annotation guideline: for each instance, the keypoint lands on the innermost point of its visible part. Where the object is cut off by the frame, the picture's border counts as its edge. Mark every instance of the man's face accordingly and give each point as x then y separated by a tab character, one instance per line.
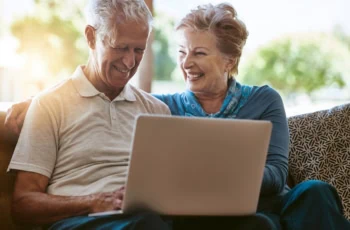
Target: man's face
118	62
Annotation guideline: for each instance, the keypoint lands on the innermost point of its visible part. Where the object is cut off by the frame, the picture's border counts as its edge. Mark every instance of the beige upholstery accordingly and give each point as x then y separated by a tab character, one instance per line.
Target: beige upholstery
320	149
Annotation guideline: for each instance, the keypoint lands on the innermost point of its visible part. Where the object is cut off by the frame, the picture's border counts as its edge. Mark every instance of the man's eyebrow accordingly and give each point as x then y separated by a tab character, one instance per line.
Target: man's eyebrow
120	44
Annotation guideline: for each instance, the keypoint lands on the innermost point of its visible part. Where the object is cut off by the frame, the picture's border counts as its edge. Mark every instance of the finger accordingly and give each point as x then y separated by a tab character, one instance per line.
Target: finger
11	112
11	125
119	195
20	120
118	204
10	120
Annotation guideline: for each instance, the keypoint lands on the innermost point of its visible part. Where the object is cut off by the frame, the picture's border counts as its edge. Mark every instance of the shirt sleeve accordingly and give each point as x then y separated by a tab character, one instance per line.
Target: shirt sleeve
37	145
276	169
173	101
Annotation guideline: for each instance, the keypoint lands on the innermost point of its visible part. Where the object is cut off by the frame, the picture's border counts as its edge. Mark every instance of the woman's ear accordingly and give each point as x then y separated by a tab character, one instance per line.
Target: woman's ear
90	35
230	63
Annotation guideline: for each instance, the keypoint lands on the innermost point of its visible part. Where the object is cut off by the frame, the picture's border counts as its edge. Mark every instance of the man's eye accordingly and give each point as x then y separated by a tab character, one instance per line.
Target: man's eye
140	51
182	52
200	53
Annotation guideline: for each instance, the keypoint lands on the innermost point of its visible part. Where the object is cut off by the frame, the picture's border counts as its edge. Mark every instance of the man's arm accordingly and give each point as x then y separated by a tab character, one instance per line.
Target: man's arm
15	116
31	203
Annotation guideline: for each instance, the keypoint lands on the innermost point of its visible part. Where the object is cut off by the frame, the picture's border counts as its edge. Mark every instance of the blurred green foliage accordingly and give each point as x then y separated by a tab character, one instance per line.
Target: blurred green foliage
55	40
300	63
55	32
52	33
163	37
341	35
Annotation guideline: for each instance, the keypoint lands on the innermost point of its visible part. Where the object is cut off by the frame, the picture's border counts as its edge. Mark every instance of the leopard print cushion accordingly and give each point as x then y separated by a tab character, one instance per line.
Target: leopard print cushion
320	149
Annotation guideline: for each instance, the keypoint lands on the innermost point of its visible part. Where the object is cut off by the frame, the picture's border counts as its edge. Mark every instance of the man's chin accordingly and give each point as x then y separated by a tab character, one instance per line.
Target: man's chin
120	84
117	80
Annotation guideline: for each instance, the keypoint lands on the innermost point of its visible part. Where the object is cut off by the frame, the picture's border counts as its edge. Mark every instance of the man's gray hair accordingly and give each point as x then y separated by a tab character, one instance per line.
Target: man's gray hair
106	15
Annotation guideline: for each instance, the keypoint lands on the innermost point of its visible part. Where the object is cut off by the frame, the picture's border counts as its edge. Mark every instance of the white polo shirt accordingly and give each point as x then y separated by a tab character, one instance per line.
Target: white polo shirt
78	138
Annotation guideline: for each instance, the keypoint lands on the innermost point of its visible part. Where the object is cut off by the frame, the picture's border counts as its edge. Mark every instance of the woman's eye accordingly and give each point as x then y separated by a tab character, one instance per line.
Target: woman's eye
200	53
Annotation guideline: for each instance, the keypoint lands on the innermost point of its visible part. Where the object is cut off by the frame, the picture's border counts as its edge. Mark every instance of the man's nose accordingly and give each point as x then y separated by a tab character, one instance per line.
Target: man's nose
129	59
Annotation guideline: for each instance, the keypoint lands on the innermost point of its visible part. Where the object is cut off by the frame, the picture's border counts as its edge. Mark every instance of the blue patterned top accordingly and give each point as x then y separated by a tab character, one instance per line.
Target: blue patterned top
236	97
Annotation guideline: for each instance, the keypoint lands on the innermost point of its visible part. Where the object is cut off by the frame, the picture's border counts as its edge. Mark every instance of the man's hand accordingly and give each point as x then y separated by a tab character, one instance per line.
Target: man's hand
15	116
107	201
31	203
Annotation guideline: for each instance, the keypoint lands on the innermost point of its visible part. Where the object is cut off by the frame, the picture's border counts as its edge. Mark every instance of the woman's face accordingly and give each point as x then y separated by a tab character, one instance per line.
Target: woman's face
202	64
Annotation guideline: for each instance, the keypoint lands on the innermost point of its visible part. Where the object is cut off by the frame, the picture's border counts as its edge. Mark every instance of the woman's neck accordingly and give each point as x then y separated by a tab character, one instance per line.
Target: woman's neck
211	103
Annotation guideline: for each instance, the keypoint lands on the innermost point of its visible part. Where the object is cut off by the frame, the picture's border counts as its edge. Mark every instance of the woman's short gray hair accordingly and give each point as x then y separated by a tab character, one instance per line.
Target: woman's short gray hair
221	20
106	15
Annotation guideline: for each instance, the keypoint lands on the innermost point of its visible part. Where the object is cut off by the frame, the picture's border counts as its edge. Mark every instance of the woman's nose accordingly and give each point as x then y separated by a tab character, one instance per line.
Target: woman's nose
187	62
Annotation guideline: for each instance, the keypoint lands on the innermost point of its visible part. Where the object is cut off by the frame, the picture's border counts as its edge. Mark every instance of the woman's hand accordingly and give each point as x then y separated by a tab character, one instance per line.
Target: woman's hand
15	116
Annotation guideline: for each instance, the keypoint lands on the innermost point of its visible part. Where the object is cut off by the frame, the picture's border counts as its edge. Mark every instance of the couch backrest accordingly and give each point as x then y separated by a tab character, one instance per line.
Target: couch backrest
320	149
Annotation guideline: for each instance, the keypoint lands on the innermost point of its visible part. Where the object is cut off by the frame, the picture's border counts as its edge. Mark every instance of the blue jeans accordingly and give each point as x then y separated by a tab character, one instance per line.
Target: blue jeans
309	205
151	221
141	221
258	221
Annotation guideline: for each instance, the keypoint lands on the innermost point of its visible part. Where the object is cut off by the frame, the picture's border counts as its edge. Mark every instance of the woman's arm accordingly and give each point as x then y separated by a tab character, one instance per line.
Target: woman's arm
15	116
276	169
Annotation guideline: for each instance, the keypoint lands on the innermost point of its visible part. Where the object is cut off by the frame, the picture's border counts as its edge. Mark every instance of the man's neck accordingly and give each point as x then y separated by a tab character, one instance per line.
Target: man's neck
92	75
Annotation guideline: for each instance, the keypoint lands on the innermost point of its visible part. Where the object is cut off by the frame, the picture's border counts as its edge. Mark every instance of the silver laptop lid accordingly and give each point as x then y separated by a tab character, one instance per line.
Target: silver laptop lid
196	166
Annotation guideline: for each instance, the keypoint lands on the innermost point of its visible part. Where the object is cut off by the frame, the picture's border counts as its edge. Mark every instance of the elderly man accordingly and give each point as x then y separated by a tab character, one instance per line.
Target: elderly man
72	154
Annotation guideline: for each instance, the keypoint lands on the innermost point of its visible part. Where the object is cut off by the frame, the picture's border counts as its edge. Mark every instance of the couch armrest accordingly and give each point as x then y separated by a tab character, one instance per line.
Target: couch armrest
7	145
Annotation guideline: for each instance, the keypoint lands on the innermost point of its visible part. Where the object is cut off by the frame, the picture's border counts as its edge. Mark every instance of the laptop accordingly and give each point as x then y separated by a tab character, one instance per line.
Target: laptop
195	166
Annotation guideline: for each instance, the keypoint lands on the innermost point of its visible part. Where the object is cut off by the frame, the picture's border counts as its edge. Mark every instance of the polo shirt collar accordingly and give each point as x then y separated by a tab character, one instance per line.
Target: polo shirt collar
86	89
127	94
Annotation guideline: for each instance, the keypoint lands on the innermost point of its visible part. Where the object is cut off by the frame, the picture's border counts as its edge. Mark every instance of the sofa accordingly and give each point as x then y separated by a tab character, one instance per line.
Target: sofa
319	149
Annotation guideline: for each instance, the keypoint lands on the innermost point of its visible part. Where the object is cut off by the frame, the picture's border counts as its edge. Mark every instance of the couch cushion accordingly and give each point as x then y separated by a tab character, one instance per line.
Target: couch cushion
320	149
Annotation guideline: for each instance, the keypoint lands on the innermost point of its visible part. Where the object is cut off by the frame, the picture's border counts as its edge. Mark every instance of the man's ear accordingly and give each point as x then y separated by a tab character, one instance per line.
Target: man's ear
90	34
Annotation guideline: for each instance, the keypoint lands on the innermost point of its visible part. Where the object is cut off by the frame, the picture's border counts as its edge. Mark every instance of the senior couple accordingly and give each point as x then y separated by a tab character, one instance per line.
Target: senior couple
72	154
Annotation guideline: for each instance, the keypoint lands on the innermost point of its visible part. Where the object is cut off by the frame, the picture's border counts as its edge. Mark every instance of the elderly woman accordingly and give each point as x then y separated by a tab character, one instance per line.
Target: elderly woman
211	39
